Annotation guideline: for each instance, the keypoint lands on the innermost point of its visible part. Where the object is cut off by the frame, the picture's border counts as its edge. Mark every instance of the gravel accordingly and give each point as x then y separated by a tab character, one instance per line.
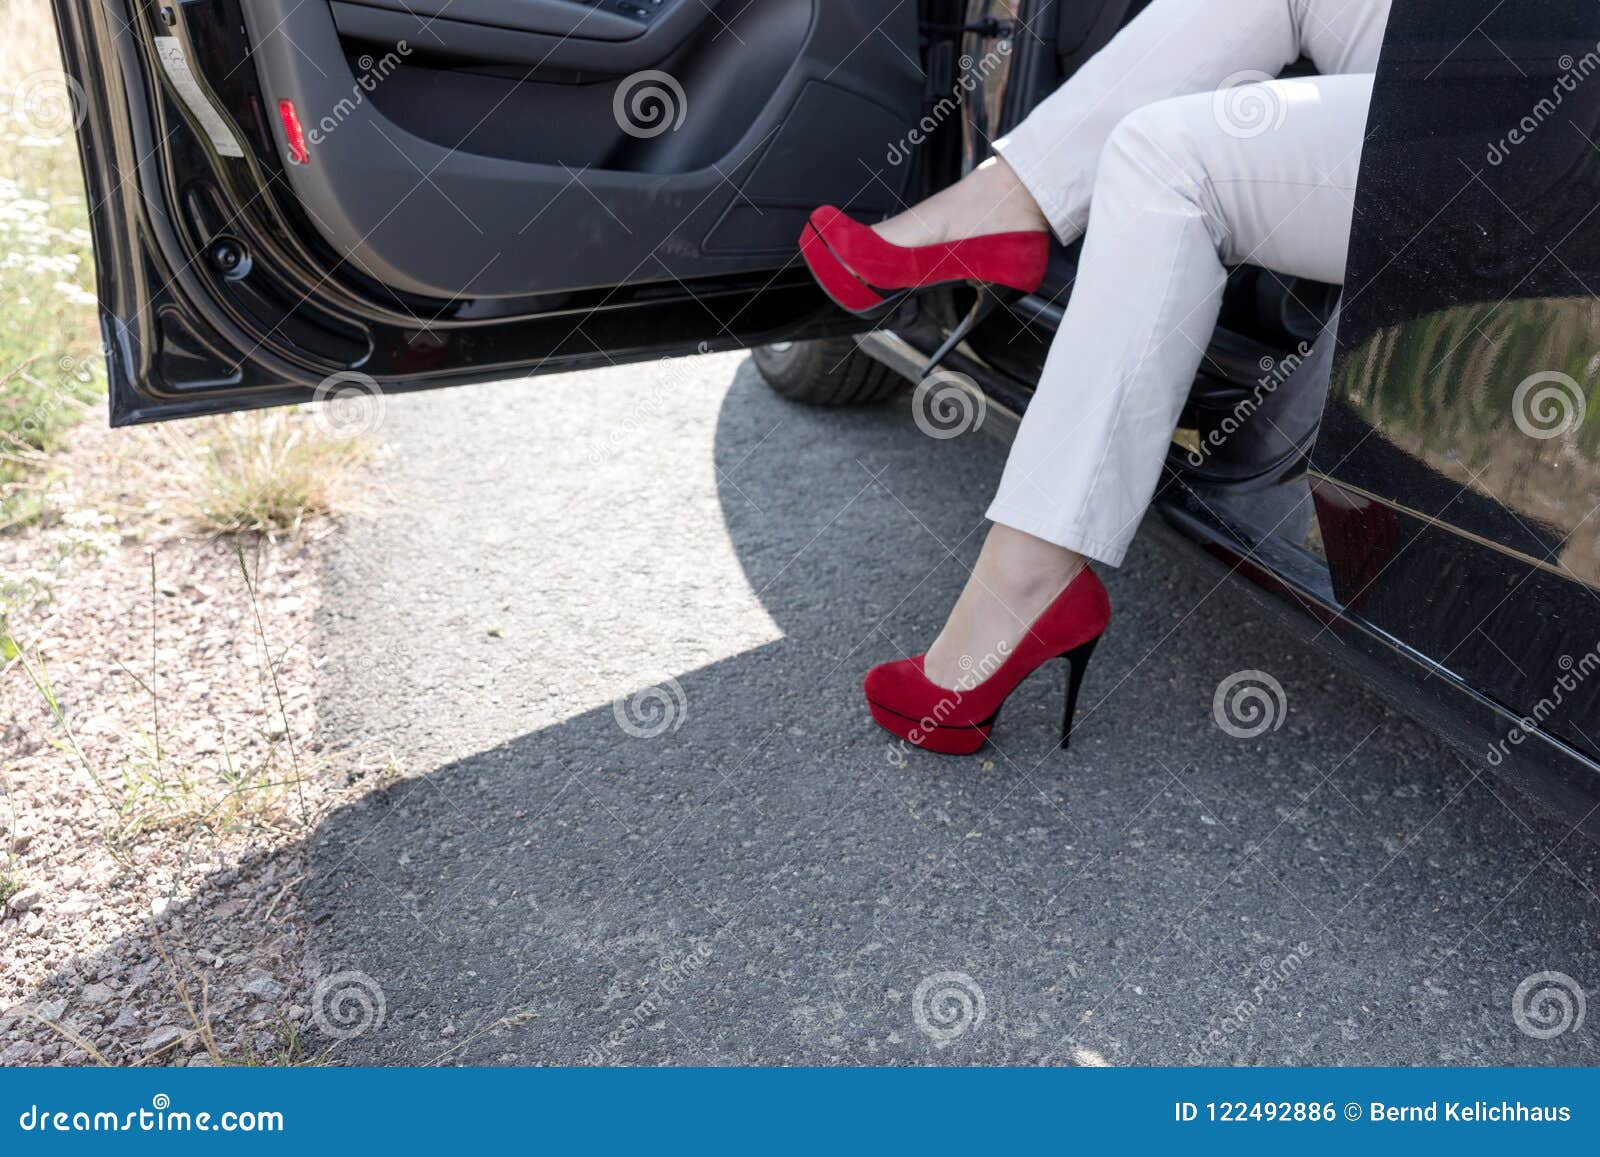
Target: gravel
104	931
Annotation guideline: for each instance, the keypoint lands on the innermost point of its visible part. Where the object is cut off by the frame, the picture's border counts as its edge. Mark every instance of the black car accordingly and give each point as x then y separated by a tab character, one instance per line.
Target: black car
298	197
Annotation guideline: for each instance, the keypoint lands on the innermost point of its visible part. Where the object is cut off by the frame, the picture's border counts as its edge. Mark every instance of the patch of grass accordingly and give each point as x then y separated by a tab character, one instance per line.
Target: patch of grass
258	472
288	1051
265	472
50	362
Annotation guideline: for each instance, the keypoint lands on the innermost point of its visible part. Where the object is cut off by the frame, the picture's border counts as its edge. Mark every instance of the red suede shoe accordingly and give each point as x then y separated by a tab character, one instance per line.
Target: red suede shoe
845	288
869	277
1012	260
958	722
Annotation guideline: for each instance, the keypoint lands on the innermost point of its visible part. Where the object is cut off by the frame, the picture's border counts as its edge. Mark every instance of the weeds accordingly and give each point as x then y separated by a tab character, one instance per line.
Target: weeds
66	1034
264	472
148	789
259	473
10	874
277	688
50	364
289	1051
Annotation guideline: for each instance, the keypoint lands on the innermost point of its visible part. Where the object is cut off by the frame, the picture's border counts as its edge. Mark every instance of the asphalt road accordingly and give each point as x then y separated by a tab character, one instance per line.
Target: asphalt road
551	882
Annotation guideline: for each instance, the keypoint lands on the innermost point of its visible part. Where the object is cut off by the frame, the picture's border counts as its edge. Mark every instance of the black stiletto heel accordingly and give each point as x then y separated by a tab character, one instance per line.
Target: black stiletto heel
1079	661
982	308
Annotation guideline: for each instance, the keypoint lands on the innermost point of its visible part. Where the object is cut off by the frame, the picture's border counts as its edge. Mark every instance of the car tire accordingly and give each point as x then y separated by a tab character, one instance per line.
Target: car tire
826	372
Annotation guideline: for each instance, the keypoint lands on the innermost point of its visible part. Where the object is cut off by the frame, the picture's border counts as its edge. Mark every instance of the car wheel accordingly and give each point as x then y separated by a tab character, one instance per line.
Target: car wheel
826	372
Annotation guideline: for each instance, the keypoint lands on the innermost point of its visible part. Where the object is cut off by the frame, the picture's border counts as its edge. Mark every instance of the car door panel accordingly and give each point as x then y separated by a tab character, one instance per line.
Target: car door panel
446	214
1460	450
634	203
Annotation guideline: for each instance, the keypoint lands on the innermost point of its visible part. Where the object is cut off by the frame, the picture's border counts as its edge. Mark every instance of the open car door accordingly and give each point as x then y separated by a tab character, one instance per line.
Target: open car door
416	193
1458	466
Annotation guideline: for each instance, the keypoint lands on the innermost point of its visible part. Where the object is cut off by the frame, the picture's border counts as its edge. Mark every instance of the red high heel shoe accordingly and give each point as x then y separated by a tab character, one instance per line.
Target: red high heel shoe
1013	260
870	277
847	290
904	701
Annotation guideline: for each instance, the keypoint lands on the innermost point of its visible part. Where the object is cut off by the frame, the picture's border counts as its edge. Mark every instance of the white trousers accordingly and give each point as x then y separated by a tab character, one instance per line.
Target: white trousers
1175	155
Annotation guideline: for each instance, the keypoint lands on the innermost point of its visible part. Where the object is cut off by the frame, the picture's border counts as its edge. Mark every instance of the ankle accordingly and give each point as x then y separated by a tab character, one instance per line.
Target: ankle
990	199
1027	569
926	225
1017	216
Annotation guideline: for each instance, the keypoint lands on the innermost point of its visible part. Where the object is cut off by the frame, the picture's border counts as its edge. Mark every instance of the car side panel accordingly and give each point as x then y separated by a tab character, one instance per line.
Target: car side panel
1459	460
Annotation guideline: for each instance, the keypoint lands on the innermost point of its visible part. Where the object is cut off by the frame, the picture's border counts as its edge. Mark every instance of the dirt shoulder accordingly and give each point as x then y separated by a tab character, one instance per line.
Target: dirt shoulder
158	773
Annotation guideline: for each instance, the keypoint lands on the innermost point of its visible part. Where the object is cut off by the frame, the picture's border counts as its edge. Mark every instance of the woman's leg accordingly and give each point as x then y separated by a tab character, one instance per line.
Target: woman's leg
1182	194
1045	174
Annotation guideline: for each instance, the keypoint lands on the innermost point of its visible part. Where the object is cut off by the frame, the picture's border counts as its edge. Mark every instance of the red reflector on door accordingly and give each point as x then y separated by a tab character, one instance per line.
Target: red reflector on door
293	133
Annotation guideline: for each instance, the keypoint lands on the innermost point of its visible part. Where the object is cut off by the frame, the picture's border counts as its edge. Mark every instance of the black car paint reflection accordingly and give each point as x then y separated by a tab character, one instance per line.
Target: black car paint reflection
1464	413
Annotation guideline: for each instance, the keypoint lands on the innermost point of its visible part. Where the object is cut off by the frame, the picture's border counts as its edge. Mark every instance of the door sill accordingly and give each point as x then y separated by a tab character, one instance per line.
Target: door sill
905	359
